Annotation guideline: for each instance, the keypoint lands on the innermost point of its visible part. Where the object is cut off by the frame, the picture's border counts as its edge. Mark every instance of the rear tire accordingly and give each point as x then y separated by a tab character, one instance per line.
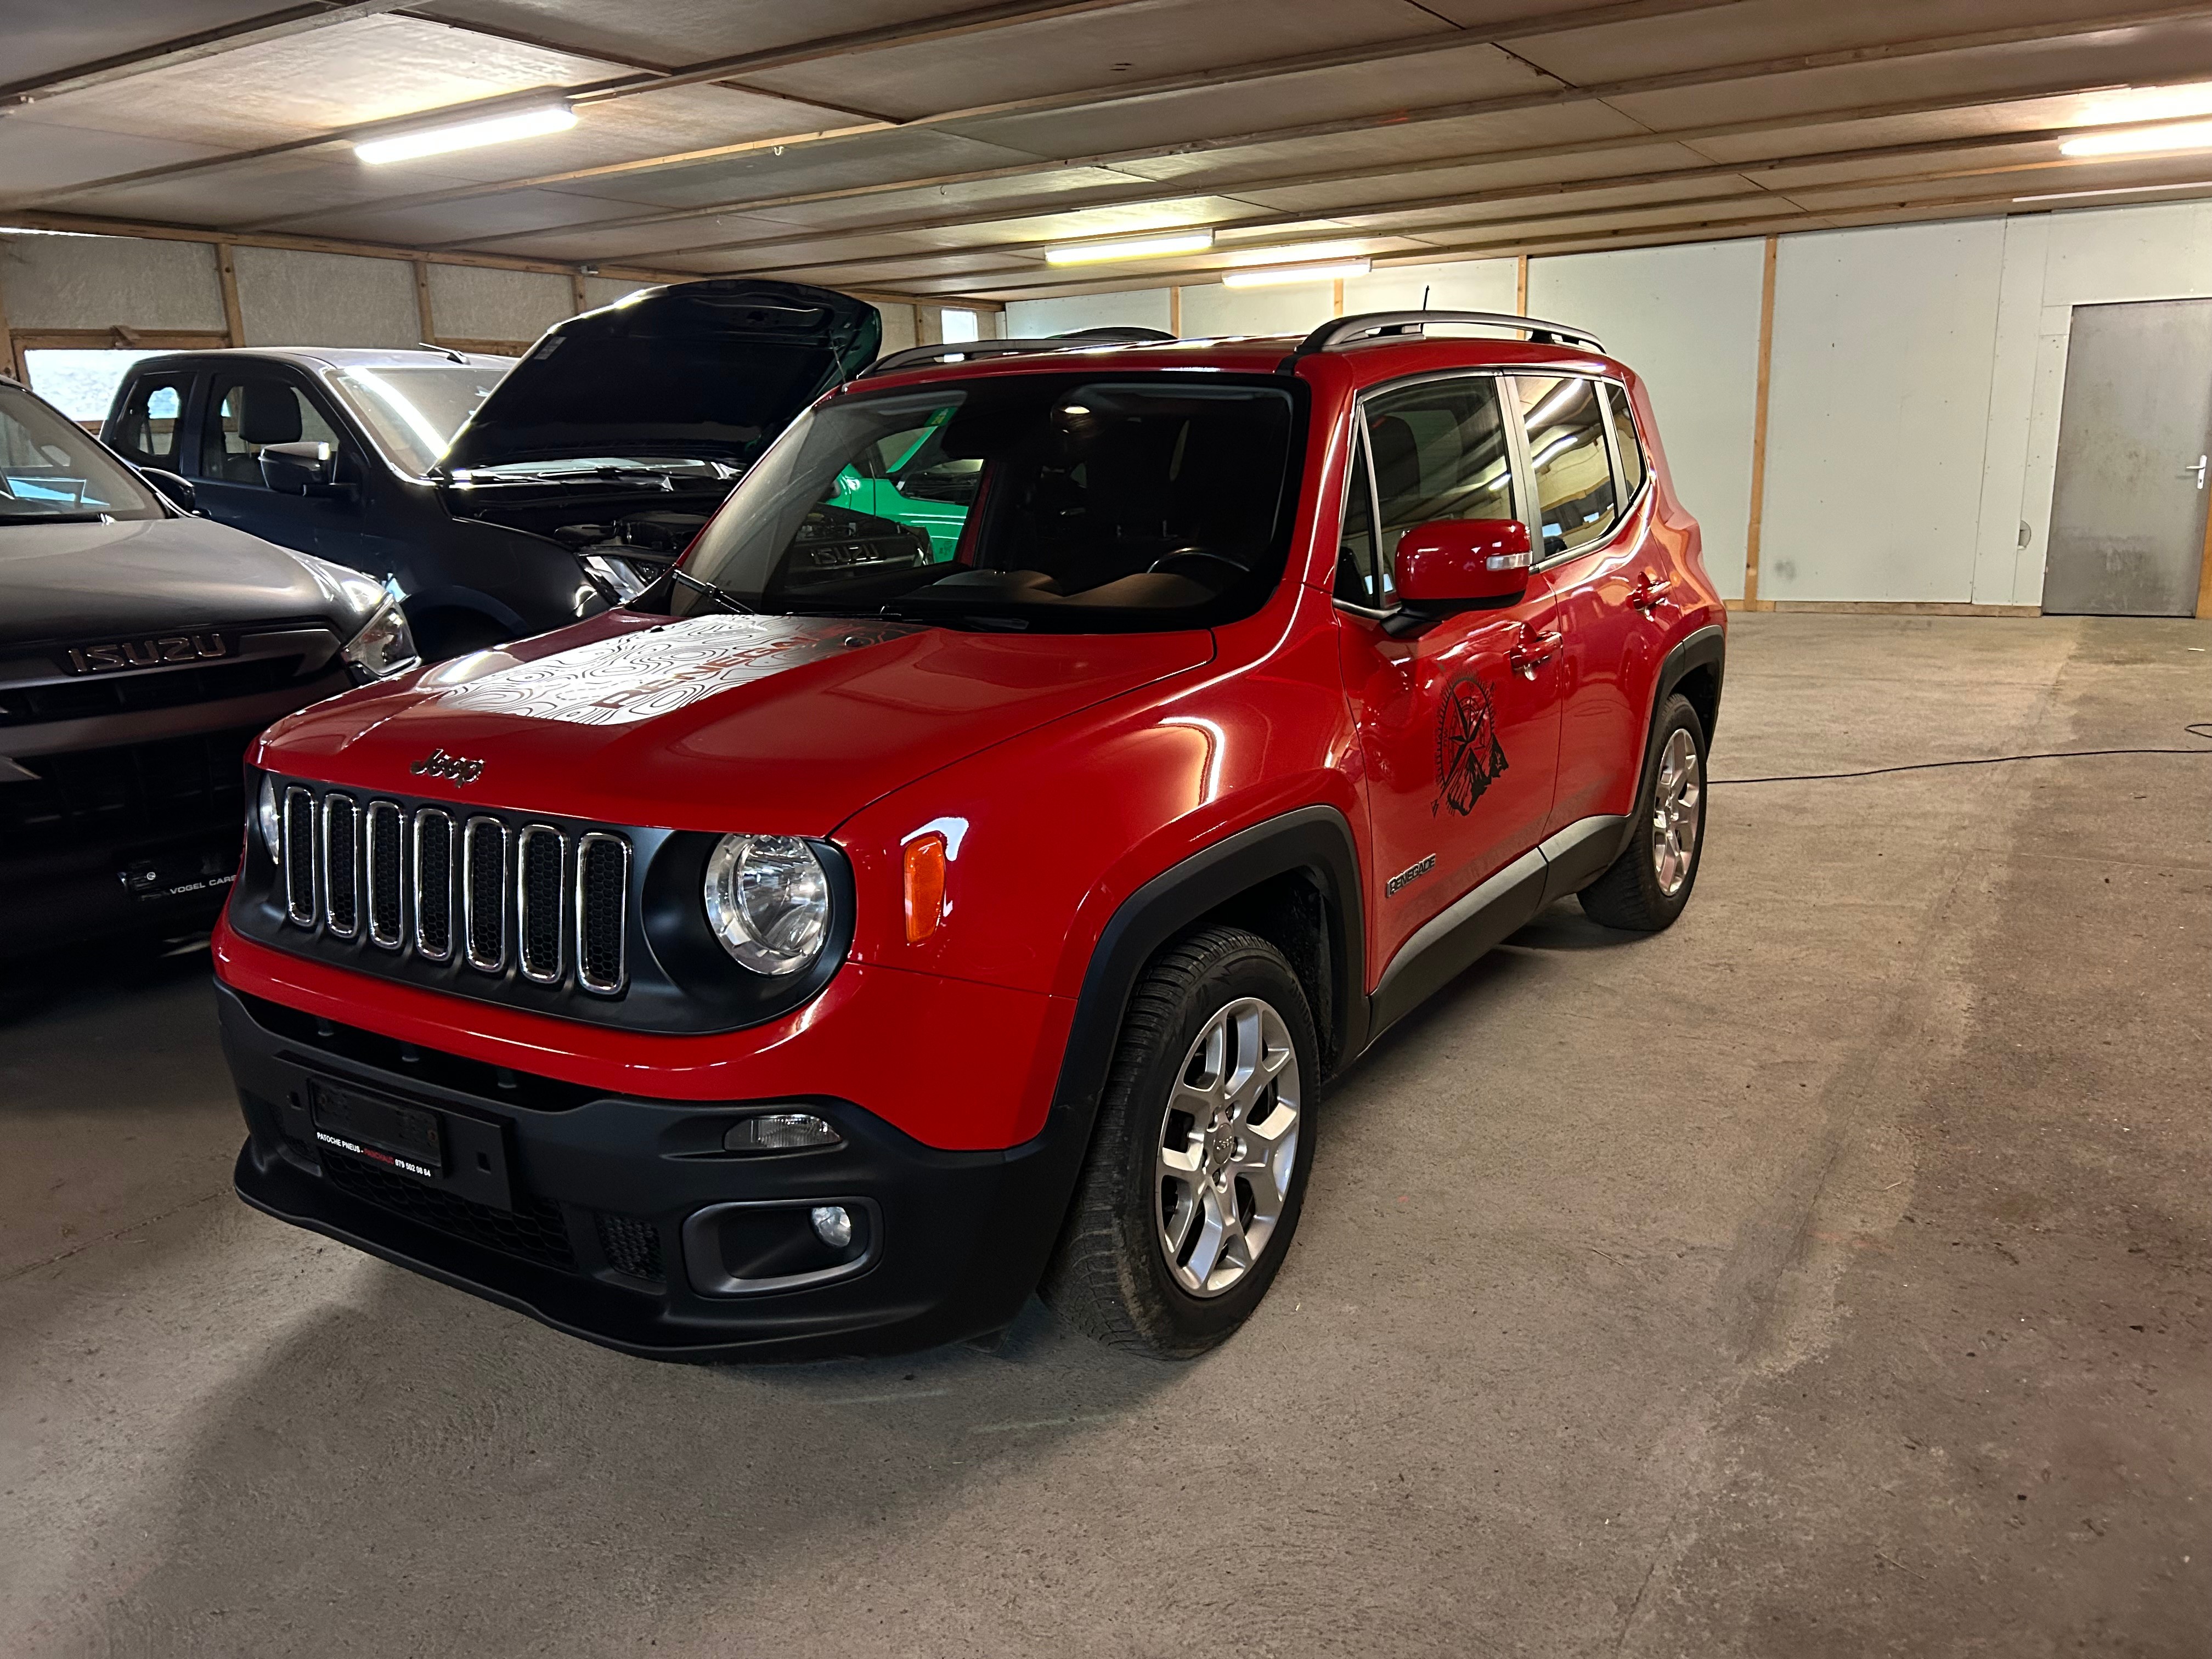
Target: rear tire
1198	1168
1649	885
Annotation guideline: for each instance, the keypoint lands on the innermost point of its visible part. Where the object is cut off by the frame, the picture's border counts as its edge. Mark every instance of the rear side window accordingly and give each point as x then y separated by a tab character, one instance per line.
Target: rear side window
1625	438
247	416
1439	451
153	420
1574	498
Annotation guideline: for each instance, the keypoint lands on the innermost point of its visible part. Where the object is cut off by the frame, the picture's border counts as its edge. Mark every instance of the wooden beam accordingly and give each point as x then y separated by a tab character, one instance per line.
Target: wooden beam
576	293
1175	310
117	338
190	48
233	320
2203	570
425	318
1759	408
1521	285
8	366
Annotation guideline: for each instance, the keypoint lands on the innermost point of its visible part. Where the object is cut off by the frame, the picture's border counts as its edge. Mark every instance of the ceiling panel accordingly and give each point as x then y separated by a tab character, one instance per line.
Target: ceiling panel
672	32
1446	75
1134	42
37	155
46	37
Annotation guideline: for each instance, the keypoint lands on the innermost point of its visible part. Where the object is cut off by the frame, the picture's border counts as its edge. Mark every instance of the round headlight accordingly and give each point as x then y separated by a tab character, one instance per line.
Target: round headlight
768	902
271	822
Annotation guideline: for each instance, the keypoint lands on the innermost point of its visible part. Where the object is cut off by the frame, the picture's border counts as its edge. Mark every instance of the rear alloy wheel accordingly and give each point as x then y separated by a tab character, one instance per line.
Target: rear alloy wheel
1197	1167
1648	883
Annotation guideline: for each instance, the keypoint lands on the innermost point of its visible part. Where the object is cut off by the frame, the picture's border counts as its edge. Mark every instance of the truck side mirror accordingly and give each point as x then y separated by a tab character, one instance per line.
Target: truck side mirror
177	491
1459	564
301	469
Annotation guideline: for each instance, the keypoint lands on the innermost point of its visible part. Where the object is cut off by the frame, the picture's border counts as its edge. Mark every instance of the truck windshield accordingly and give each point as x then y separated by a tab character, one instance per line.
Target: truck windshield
414	409
52	471
1017	500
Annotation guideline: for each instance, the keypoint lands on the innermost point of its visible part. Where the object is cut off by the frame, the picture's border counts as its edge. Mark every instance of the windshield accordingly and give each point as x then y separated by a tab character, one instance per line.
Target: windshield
52	470
1029	501
414	409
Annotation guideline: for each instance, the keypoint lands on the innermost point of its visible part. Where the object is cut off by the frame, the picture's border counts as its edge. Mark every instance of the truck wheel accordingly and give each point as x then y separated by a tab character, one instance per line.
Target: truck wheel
1186	1206
1650	883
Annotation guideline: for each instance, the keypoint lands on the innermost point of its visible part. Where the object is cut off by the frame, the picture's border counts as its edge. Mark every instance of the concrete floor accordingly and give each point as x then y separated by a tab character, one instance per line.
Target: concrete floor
1827	1276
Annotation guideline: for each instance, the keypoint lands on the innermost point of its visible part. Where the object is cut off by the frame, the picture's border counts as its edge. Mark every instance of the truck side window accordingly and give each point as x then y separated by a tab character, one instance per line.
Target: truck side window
1566	451
152	420
245	416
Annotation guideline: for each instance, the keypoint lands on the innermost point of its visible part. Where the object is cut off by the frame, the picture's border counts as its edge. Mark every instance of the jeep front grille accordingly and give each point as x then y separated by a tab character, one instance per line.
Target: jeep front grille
528	897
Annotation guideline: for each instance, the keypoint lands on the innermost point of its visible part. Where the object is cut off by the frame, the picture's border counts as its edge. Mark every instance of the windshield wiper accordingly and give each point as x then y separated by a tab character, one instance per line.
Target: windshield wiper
55	518
991	621
711	591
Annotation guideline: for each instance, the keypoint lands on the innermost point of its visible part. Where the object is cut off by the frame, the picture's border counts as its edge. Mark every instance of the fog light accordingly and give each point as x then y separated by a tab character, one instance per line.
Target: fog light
833	1226
780	1132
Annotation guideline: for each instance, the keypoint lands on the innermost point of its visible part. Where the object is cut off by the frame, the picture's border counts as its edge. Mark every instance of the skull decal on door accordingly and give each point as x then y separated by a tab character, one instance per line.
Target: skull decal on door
1468	755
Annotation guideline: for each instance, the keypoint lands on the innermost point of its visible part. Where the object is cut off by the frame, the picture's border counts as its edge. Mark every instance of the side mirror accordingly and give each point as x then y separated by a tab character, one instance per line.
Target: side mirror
177	491
1458	564
301	469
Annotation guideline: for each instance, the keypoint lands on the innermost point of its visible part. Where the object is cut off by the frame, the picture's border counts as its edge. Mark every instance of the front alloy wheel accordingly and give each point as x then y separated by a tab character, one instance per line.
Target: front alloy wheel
1198	1165
1227	1145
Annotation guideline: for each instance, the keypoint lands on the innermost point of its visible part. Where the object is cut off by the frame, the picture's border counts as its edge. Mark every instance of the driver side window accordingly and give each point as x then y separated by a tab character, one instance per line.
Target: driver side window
244	416
1439	451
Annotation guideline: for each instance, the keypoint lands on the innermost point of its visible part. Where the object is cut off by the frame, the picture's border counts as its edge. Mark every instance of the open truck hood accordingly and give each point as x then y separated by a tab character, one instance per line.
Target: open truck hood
712	369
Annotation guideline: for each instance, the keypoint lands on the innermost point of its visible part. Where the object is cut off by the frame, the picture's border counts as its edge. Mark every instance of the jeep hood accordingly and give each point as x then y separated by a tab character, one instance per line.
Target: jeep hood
713	370
775	725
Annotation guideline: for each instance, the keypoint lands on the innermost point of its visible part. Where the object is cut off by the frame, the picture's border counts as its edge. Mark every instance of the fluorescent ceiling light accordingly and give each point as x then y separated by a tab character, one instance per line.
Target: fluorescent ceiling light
467	134
1130	247
1262	276
2143	141
2148	103
2116	189
1292	253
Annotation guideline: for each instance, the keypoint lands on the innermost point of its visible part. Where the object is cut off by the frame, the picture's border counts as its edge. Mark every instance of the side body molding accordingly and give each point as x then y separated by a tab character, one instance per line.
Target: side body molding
1452	939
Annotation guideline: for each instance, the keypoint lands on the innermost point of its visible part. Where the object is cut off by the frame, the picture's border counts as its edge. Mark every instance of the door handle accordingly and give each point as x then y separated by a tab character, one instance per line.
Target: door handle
1649	592
2196	471
1532	653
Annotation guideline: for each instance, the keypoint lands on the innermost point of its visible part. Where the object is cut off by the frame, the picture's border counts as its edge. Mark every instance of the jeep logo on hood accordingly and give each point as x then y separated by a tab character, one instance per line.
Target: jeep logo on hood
440	764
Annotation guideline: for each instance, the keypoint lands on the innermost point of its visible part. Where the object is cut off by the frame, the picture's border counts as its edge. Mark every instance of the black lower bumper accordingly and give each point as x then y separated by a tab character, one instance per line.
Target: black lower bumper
571	1207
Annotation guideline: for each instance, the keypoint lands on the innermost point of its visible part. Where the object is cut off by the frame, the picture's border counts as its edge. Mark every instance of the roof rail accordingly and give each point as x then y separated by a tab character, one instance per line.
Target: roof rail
953	351
1368	324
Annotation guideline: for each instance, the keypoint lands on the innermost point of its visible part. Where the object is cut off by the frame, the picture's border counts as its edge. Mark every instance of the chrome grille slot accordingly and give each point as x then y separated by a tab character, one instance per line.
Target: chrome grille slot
483	893
434	884
382	868
341	869
540	851
602	912
299	856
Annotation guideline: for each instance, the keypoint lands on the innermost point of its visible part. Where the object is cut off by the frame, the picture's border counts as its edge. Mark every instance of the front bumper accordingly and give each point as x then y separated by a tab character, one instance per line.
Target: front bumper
590	1193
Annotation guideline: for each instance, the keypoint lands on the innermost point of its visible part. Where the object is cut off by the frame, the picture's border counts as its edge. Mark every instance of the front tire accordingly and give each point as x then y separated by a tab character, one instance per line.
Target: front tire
1198	1169
1649	885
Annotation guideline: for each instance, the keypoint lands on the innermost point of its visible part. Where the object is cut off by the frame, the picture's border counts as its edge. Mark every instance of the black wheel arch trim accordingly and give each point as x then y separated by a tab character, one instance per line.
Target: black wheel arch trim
1703	647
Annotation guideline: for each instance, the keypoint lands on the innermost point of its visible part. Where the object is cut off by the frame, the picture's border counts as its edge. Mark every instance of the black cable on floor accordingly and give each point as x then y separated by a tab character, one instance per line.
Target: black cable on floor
2196	729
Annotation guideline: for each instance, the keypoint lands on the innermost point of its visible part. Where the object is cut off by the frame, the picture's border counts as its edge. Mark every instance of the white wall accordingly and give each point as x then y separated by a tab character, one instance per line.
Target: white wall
97	282
1453	285
1686	319
471	303
1213	311
1139	308
290	298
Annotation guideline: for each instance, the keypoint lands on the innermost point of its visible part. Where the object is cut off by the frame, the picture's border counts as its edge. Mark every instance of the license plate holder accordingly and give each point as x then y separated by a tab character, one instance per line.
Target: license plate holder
463	1155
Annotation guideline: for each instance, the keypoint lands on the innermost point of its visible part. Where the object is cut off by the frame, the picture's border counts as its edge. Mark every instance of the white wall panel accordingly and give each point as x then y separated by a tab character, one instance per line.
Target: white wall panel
1210	311
289	298
605	290
97	282
1452	285
898	326
469	302
1686	320
1884	348
1137	307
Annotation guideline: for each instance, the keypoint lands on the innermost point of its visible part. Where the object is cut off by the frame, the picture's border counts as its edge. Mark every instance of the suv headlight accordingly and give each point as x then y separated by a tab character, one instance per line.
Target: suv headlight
386	645
270	820
768	902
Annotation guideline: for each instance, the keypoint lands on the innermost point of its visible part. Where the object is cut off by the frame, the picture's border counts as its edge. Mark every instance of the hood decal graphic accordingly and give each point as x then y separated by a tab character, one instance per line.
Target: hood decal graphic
643	675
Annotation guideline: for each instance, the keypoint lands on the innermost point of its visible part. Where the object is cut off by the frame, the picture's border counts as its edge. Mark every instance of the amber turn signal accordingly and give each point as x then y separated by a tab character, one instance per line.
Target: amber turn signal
924	886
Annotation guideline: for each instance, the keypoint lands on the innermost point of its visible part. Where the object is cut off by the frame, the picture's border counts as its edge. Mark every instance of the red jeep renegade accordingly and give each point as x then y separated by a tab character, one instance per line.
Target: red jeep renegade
961	873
